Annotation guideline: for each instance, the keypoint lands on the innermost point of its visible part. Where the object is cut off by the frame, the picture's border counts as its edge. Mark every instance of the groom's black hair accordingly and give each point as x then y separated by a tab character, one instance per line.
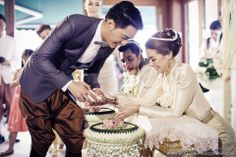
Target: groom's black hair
124	14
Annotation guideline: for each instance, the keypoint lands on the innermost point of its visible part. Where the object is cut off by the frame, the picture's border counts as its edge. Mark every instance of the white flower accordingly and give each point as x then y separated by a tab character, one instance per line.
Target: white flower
166	100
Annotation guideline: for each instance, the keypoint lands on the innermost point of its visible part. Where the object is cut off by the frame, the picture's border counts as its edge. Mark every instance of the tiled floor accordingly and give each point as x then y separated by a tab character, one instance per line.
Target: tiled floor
22	148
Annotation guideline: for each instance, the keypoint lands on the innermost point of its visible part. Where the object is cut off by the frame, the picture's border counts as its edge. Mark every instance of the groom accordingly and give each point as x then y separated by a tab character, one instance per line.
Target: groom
48	90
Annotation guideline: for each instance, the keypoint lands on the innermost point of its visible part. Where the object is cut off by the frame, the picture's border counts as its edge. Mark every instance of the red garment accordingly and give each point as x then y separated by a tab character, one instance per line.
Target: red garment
6	96
16	120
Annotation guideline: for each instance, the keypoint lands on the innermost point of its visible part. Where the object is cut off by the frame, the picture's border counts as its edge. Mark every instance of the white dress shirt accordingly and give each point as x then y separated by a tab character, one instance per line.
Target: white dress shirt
92	49
214	49
8	51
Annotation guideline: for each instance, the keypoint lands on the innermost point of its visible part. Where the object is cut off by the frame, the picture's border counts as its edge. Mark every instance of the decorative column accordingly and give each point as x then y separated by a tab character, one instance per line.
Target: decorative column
229	51
10	16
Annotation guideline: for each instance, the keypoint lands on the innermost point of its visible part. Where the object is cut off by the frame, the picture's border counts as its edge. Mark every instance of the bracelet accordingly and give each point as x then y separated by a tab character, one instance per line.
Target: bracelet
114	101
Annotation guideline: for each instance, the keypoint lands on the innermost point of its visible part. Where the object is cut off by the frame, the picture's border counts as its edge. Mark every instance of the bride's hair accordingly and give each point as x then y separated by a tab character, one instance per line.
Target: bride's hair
165	42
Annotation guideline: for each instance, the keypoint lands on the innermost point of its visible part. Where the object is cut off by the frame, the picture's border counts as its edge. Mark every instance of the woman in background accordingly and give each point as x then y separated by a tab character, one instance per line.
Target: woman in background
107	76
16	121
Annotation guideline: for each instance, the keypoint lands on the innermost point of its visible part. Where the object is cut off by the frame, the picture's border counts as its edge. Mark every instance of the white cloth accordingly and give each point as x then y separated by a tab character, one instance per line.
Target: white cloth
107	76
8	51
64	88
147	76
138	85
182	128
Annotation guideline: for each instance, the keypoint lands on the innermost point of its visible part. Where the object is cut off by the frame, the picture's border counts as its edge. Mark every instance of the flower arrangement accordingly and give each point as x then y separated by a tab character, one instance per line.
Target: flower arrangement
210	68
111	124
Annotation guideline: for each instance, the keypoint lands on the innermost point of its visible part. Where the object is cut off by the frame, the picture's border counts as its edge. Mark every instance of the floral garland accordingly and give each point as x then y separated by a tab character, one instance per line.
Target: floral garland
131	85
167	99
210	68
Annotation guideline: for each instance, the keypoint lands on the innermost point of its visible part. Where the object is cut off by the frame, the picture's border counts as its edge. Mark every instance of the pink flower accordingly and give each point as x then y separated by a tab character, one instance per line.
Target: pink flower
111	124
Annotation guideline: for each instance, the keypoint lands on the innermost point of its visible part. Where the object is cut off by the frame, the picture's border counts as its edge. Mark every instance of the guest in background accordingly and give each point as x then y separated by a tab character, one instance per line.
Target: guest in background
212	46
16	120
139	76
211	66
8	63
43	31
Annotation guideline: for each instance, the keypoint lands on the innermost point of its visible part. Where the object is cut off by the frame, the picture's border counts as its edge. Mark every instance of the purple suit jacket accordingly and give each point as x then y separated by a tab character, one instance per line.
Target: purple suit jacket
51	65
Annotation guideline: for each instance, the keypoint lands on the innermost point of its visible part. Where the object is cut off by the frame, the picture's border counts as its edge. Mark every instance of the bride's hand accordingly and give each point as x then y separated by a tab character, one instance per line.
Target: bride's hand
126	111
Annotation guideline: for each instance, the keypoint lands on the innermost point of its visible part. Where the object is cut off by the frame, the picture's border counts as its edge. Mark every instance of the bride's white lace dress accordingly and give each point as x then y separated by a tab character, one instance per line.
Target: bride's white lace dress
186	129
189	131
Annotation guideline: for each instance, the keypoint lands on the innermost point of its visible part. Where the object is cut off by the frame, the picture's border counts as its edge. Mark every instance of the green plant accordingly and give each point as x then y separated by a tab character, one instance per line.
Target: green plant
209	68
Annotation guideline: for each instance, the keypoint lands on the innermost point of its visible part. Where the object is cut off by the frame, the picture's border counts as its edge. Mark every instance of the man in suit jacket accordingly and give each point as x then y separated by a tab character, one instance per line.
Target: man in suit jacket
47	86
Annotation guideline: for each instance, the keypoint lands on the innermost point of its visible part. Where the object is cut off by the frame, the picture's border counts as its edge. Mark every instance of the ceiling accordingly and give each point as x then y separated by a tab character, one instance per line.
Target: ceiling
34	12
31	13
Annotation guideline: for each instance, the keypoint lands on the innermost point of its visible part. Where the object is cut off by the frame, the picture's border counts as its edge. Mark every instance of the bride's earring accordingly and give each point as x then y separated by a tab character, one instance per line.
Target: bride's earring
169	64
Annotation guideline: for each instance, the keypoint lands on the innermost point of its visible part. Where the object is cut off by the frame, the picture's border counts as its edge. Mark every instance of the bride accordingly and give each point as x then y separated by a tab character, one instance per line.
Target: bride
175	93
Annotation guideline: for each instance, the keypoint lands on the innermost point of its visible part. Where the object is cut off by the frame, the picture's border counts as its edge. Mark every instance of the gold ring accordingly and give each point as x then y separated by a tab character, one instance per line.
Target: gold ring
99	97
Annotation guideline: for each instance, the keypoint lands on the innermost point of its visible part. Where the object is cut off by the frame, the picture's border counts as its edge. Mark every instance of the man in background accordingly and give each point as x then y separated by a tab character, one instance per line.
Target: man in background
8	62
139	76
43	31
212	46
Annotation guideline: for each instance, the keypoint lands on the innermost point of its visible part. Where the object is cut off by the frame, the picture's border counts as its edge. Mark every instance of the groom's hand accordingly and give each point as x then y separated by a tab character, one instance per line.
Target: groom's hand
81	91
100	99
104	97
